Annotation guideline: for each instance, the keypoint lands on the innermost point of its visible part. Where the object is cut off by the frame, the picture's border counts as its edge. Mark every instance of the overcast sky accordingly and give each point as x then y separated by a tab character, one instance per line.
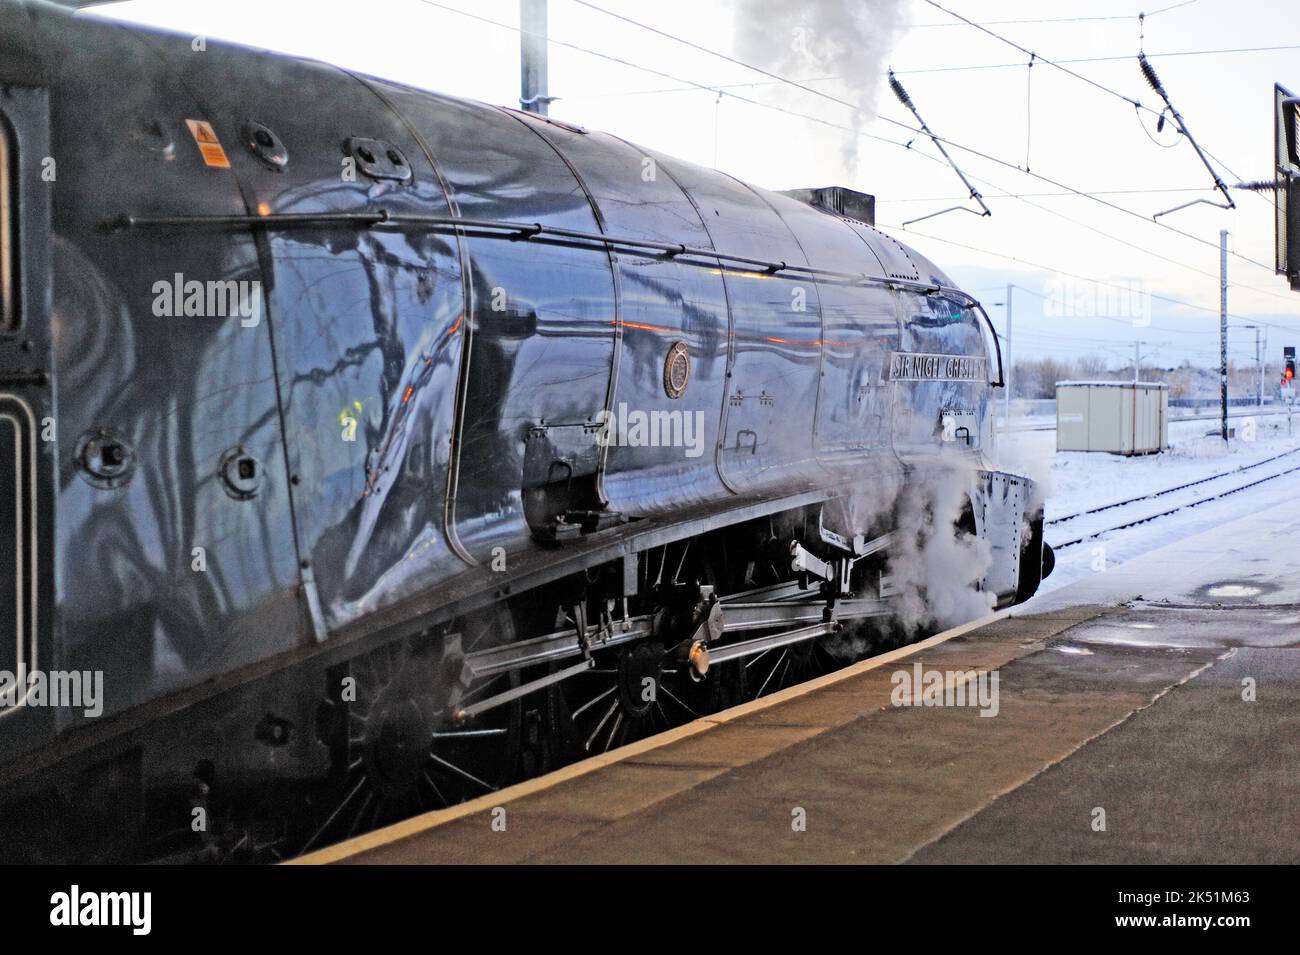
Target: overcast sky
1061	127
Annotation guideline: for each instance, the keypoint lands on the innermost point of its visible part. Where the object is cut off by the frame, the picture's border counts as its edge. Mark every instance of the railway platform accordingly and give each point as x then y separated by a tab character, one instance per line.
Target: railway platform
1149	714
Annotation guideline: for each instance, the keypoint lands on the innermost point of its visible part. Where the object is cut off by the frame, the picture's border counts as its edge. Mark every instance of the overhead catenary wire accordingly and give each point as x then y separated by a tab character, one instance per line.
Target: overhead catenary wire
1098	19
1160	124
906	100
840	126
1172	6
1079	19
962	68
1154	80
1129	320
882	200
1108	235
1244	322
1114	238
1093	229
1086	278
1072	61
803	86
939	140
1027	52
1079	76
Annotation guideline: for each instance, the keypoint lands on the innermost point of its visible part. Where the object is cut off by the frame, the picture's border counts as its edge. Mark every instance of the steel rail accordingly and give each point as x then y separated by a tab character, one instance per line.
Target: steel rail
1169	490
1174	510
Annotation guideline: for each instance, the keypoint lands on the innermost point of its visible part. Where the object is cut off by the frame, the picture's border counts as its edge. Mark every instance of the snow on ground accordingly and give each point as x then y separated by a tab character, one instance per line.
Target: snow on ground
1046	422
1079	480
1108	554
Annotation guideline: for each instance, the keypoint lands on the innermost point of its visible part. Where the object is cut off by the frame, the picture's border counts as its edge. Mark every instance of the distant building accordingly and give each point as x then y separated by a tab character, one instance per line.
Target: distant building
1120	417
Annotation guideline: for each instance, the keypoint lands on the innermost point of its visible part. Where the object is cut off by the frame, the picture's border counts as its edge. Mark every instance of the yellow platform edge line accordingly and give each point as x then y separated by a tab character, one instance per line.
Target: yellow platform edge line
439	817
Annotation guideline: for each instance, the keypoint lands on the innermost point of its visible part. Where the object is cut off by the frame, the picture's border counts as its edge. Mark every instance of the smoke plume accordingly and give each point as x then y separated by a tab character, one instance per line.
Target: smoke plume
849	40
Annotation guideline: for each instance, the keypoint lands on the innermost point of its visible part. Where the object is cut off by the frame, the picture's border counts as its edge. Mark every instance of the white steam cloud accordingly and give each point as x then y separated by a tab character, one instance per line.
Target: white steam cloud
933	566
1030	459
849	40
935	569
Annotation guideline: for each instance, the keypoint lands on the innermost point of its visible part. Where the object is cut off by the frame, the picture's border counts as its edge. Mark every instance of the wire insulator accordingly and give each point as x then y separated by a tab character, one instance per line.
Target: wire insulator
1149	72
1262	185
901	93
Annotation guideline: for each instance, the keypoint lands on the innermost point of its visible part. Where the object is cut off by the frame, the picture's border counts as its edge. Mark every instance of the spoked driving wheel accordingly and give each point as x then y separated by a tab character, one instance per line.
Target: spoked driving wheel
687	564
639	689
623	698
780	667
721	687
400	739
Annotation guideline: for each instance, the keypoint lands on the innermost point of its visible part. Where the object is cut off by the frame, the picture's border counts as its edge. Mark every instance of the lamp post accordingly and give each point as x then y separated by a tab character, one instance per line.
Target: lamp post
1259	368
1006	362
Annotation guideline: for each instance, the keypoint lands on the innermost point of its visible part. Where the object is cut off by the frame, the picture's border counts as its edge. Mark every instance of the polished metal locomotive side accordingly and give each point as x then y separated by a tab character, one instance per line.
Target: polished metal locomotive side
318	384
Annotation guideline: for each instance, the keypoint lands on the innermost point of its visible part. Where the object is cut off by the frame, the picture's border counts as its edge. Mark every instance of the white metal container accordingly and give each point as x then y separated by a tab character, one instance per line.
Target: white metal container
1121	417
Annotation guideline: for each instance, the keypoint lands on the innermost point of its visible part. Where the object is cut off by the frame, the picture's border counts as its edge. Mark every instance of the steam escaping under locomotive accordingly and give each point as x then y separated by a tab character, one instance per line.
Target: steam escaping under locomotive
377	448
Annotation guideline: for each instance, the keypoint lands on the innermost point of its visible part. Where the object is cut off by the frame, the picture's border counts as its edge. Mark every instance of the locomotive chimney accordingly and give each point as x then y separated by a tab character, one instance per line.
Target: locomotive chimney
840	201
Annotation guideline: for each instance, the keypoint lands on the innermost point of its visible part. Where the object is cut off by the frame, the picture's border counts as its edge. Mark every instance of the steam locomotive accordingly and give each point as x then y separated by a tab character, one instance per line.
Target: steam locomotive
369	449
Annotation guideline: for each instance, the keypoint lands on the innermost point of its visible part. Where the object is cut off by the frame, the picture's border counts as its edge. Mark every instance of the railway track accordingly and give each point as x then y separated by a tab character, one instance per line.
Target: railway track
1145	517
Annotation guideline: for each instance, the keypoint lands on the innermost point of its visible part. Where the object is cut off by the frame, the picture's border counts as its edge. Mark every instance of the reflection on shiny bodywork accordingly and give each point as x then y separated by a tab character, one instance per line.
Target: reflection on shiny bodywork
414	405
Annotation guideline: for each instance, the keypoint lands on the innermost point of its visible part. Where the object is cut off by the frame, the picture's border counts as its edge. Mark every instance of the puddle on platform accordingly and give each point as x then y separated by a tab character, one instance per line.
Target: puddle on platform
1234	591
1165	627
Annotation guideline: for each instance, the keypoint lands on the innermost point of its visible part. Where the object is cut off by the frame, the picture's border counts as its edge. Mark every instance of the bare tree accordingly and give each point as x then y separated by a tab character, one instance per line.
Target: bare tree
1092	367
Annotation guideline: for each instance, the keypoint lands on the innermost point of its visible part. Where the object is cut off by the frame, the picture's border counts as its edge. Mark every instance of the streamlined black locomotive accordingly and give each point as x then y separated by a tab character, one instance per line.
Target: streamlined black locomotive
373	448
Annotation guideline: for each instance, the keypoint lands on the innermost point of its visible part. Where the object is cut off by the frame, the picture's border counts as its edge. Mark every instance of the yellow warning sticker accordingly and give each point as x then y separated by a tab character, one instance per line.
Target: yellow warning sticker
206	138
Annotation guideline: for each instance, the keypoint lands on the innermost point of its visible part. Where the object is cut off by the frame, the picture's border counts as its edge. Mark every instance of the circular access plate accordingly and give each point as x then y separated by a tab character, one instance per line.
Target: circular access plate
677	369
